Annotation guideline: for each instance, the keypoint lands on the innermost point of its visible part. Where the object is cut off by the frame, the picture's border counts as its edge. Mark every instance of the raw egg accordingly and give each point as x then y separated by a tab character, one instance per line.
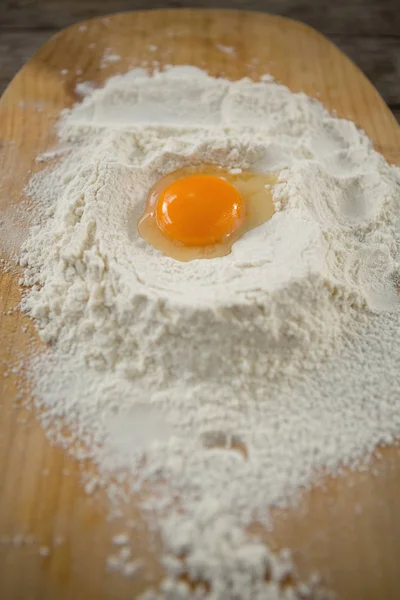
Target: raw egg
199	212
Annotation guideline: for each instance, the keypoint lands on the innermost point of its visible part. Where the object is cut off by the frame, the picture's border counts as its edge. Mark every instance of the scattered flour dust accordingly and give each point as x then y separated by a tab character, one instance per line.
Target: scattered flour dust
109	57
240	378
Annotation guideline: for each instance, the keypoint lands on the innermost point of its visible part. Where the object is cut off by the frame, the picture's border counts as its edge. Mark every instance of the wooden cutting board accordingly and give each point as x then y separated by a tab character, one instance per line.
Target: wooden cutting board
350	529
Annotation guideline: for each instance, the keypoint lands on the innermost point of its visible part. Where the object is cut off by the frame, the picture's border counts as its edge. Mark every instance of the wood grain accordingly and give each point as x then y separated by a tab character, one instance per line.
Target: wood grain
359	17
349	529
378	58
396	112
366	30
15	49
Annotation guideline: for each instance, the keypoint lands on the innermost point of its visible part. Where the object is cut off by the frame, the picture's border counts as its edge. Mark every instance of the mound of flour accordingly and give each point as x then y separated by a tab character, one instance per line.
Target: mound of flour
288	289
224	372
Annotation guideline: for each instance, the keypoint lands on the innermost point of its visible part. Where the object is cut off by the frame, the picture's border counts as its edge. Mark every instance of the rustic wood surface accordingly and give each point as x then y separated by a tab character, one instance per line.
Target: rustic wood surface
367	30
349	529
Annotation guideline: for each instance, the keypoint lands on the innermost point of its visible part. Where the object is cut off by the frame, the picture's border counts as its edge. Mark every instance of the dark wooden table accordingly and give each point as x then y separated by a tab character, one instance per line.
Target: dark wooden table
367	30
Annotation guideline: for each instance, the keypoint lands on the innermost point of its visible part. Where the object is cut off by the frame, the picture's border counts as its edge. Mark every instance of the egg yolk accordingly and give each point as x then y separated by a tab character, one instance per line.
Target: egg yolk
199	210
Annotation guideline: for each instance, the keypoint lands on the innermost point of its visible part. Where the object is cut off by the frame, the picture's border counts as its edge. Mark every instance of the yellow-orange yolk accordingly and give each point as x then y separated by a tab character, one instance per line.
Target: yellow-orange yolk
199	210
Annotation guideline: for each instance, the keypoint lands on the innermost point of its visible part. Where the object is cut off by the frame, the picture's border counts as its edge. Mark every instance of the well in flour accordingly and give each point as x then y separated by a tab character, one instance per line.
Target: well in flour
199	212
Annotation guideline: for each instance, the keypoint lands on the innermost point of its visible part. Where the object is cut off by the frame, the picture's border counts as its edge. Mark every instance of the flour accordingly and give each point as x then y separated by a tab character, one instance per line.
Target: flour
223	372
246	312
109	57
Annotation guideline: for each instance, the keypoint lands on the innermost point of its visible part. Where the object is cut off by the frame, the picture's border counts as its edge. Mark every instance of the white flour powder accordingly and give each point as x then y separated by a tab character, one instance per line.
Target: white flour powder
225	372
